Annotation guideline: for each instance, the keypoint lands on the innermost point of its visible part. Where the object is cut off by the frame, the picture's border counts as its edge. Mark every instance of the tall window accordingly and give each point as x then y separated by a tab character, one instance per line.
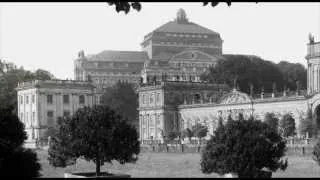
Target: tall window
27	99
81	99
49	99
33	99
33	117
50	118
21	99
21	117
65	99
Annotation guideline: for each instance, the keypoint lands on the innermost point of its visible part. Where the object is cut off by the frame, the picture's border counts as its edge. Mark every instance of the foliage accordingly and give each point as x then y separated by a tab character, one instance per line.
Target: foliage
199	130
272	121
287	125
124	100
125	6
15	160
316	152
188	133
306	124
172	135
95	133
215	3
10	75
245	148
240	117
256	71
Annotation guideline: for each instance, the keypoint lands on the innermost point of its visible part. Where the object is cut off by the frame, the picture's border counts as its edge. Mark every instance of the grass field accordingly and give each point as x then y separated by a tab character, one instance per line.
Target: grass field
172	165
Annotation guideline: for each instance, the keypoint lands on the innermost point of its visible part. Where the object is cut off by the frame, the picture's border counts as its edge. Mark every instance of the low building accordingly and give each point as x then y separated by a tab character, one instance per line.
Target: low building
41	102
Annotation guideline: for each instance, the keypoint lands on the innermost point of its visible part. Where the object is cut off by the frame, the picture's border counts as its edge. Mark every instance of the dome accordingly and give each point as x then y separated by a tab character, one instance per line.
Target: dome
181	16
235	97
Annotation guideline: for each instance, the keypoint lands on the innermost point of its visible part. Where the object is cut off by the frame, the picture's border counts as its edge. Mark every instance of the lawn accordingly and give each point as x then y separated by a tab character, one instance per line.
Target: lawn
172	165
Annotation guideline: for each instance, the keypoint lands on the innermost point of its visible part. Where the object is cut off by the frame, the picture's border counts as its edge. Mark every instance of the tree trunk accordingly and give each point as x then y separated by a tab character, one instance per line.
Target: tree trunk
97	165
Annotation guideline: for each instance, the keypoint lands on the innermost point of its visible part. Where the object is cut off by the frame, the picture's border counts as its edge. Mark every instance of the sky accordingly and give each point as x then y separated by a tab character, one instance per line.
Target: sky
50	35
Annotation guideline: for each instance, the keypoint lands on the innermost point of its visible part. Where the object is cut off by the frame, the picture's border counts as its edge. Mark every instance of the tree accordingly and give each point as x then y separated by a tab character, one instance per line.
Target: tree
123	98
188	133
306	124
172	135
95	133
272	121
316	153
15	160
287	125
199	130
245	148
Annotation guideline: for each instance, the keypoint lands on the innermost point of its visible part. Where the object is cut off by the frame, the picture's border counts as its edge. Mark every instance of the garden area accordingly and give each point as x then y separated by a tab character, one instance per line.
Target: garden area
171	165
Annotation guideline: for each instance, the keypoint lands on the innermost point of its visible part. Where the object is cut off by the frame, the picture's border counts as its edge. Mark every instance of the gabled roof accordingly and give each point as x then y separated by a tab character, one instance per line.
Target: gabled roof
127	56
189	27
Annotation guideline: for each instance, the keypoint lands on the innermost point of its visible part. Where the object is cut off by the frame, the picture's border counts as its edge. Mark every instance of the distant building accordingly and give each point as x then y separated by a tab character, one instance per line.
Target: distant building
40	103
177	50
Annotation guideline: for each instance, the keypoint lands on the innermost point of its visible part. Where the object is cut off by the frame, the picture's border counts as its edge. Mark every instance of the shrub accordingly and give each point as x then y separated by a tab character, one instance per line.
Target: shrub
287	125
316	152
272	121
245	148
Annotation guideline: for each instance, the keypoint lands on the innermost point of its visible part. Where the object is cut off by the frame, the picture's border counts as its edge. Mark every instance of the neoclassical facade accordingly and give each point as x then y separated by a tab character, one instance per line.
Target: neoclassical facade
200	102
40	103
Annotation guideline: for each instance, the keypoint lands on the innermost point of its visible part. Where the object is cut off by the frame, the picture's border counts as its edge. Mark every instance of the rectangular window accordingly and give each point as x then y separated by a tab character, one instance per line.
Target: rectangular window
27	99
33	99
49	99
65	99
66	113
21	117
158	97
81	99
21	99
50	118
33	117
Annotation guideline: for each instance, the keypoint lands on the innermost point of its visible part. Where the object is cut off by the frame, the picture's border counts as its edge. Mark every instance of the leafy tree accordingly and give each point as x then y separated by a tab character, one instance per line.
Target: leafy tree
287	125
172	135
245	148
123	98
256	72
240	117
316	152
306	124
199	130
126	6
188	133
95	133
15	160
272	121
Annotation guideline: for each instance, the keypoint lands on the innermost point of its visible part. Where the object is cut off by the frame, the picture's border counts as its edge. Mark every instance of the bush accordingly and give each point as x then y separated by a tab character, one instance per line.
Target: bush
272	121
98	134
306	124
287	125
15	160
188	133
199	130
245	148
316	152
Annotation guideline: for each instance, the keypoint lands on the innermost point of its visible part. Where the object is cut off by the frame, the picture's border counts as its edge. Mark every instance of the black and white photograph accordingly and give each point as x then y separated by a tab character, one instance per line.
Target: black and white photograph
121	89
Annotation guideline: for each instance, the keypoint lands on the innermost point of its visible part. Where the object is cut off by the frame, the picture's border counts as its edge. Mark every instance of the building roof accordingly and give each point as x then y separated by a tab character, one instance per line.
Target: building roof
188	27
127	56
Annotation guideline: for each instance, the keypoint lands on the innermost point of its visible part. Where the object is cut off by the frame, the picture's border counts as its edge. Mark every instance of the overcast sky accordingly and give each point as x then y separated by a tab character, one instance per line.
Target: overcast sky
49	35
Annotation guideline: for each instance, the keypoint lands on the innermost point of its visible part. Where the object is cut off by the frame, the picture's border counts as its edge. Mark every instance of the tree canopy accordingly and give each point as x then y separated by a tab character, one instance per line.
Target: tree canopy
287	125
253	70
10	75
123	98
15	160
272	121
97	134
245	148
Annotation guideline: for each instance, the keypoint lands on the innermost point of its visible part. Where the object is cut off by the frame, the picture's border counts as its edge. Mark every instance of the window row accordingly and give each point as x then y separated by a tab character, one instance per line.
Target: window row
187	35
188	44
66	99
26	97
151	98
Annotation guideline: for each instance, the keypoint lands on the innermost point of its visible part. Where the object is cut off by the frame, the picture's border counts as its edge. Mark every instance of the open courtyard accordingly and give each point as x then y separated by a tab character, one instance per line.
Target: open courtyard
172	165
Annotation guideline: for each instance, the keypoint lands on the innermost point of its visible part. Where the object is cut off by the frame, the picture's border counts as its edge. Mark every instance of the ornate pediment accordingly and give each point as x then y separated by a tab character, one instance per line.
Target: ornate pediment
235	97
193	55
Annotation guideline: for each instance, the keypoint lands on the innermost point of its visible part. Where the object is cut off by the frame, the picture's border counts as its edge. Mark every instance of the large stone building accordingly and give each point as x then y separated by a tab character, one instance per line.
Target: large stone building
179	49
205	103
40	103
